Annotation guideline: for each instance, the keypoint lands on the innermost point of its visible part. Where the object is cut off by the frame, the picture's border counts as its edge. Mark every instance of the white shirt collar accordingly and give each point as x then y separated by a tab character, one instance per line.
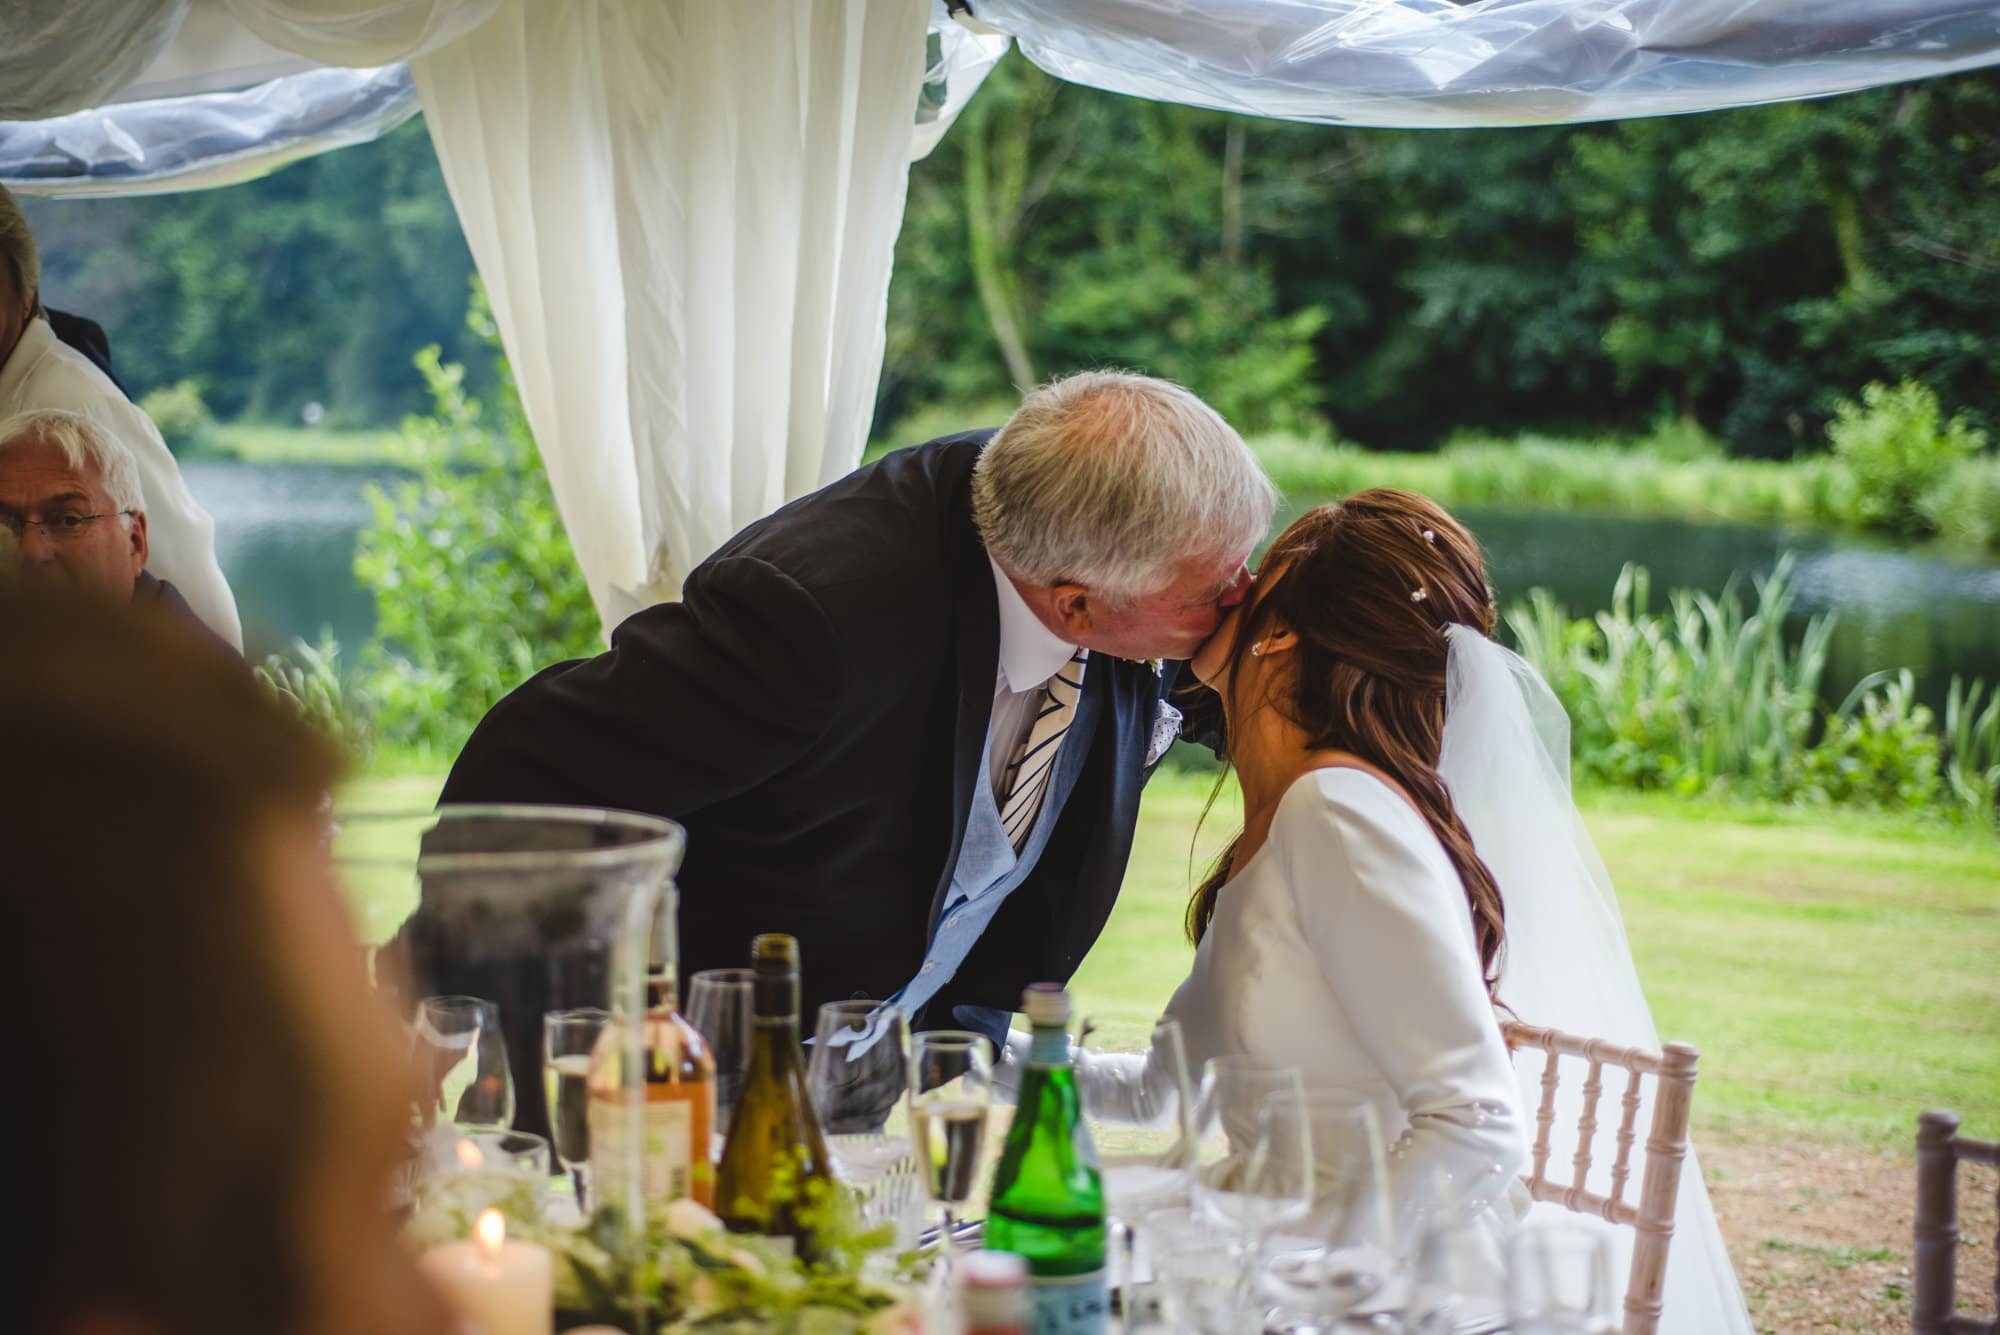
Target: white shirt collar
36	340
1030	653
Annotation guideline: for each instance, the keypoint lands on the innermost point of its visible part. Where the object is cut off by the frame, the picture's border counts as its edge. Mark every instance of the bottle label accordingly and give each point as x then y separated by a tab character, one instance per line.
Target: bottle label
666	1152
1071	1304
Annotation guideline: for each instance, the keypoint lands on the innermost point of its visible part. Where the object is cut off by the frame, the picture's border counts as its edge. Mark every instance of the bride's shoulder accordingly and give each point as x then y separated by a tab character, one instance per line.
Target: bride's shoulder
1348	799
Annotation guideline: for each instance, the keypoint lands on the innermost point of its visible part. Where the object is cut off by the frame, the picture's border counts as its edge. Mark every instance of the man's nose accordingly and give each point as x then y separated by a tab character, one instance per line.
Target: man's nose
37	547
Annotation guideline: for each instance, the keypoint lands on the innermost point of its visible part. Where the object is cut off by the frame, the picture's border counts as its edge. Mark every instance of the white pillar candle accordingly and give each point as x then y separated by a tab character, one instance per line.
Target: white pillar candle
499	1287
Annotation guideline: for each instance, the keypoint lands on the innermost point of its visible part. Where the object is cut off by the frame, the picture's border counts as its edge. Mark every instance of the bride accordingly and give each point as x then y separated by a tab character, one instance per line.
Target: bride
1410	868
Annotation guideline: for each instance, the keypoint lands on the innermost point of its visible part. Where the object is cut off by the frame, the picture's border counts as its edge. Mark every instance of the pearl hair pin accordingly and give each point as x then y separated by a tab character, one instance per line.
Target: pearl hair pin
1417	595
1430	536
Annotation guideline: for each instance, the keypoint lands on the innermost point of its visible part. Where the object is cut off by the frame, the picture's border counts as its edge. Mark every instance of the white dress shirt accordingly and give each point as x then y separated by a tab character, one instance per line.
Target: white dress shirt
1030	653
44	372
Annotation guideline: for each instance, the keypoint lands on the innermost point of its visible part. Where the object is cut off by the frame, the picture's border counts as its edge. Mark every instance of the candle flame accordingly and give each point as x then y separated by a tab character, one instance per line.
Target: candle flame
491	1231
469	1155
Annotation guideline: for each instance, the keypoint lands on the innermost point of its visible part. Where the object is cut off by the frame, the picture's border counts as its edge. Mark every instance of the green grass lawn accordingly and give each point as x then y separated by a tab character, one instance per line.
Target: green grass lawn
1840	972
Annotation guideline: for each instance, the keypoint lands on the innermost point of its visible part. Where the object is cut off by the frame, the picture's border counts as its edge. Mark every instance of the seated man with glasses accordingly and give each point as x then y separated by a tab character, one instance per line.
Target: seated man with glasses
71	511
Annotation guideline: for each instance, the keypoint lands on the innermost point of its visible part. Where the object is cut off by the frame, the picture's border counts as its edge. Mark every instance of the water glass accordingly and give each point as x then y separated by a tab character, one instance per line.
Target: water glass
458	1053
1340	1251
719	1007
1560	1281
471	1170
1200	1284
568	1039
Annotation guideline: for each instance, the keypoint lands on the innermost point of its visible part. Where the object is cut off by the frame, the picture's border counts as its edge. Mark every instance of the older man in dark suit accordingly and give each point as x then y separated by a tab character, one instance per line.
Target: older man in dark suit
907	718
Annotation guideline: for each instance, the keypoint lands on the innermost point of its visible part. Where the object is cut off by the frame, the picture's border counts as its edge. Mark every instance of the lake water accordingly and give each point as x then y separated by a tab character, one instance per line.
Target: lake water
286	534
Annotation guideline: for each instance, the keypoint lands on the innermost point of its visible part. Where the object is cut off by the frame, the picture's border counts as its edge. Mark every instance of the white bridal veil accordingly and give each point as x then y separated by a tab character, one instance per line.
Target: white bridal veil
1566	963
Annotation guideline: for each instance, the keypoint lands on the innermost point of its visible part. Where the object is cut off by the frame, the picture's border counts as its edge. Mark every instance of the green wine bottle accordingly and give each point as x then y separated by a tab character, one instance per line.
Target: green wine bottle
1048	1195
774	1164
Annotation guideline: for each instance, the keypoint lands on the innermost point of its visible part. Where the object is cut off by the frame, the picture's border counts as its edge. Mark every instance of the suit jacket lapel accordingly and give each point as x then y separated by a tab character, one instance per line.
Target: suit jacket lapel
976	651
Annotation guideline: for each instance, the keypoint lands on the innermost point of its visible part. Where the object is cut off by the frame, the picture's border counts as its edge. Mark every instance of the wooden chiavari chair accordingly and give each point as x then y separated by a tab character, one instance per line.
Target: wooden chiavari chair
1940	1149
1652	1217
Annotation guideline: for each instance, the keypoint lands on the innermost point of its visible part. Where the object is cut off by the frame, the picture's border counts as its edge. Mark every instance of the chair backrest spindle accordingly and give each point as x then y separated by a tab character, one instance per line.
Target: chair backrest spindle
1673	1069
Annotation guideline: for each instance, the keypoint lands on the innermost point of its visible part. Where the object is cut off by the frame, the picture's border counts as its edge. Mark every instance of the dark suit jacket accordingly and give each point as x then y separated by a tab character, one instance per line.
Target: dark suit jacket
813	711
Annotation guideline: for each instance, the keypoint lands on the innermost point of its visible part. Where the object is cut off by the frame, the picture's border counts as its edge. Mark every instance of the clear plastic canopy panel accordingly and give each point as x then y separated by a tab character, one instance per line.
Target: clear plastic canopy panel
1437	64
221	138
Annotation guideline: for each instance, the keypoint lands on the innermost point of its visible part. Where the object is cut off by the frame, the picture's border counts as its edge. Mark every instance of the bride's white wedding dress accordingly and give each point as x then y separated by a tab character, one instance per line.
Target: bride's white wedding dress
1345	947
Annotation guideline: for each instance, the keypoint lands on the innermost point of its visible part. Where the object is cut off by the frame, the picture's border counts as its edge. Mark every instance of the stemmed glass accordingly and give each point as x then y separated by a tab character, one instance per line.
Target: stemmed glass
859	1077
1139	1110
1314	1282
568	1037
1253	1147
719	1007
459	1055
951	1092
1559	1281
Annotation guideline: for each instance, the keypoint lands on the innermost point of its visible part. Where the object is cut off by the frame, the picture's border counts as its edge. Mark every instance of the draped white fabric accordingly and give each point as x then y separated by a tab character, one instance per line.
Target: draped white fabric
685	216
59	56
360	32
1438	63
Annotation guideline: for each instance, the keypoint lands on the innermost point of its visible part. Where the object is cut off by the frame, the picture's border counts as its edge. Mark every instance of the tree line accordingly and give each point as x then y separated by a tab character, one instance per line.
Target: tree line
1745	270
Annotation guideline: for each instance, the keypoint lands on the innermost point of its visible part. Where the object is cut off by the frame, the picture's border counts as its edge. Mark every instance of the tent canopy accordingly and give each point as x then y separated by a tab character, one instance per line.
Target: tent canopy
685	213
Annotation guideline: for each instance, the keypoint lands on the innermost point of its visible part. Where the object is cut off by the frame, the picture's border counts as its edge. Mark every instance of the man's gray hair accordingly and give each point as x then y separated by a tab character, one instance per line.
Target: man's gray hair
1111	480
86	447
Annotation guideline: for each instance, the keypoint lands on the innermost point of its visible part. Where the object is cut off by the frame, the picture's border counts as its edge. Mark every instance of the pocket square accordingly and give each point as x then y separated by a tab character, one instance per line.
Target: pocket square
1166	727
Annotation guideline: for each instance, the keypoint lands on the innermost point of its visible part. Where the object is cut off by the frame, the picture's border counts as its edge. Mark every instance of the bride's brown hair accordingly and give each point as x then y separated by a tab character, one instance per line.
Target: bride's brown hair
1368	585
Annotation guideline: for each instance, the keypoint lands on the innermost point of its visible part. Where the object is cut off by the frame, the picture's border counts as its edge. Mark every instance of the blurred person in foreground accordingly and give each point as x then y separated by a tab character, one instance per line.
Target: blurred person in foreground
39	370
215	1116
74	513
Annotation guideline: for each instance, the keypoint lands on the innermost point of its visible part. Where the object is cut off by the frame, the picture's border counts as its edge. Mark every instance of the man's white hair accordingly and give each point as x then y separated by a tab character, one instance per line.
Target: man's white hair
86	447
1111	480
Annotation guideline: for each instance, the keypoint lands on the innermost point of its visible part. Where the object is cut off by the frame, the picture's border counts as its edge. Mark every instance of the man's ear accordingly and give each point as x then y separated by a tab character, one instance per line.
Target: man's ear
1075	610
140	549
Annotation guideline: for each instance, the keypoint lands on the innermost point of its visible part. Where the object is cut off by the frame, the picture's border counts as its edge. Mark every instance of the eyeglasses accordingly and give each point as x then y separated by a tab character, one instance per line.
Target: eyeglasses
58	528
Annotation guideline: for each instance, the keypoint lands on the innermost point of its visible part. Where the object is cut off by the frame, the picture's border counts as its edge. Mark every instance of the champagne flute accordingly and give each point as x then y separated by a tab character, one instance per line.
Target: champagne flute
719	1007
951	1091
1559	1281
567	1040
1139	1110
460	1056
859	1077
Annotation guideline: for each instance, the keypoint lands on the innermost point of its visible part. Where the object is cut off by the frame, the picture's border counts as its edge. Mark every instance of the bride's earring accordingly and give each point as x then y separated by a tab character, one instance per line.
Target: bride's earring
1257	649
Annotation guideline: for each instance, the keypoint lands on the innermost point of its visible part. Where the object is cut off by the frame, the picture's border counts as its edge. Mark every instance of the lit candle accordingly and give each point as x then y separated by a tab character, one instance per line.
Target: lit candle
499	1287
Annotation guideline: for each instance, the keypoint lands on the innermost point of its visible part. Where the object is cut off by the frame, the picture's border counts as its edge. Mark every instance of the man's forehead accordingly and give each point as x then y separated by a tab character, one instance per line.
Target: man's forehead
38	472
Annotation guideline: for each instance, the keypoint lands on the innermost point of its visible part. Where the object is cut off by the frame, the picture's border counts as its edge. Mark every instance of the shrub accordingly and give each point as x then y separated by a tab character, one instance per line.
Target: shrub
1895	450
181	415
1964	508
475	584
1972	747
1700	695
1880	748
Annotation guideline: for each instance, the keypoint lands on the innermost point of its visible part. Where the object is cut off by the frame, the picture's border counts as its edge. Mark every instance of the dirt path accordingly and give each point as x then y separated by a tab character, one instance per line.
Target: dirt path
1821	1237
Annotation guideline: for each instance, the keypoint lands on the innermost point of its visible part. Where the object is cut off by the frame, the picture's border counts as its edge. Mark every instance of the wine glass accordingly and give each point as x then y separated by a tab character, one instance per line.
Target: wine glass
1200	1283
1319	1272
719	1007
459	1055
859	1077
951	1090
1253	1149
568	1038
1139	1110
1559	1281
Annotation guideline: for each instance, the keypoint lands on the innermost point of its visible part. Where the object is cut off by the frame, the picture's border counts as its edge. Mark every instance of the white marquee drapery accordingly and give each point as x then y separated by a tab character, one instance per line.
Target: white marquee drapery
684	210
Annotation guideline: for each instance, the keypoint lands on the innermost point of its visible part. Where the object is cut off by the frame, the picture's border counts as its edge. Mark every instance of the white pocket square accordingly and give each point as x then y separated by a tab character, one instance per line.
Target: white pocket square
1166	727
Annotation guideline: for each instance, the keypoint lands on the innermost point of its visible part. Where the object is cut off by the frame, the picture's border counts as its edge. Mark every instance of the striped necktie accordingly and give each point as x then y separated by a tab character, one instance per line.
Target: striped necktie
1028	772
